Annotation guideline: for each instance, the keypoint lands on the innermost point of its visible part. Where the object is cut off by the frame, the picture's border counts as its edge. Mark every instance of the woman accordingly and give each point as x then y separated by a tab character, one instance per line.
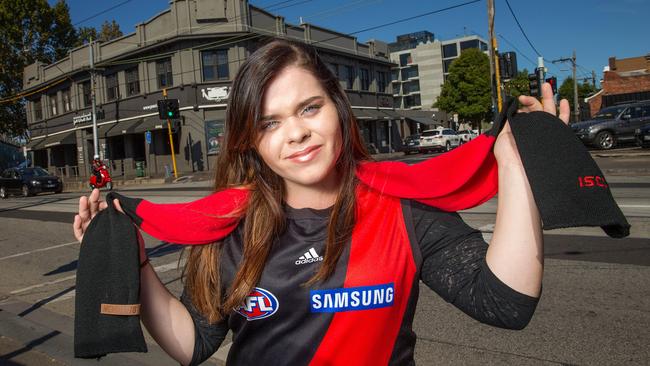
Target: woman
322	270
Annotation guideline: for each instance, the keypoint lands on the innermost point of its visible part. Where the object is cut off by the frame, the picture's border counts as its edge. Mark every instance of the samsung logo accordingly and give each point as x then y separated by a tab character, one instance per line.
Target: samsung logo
352	298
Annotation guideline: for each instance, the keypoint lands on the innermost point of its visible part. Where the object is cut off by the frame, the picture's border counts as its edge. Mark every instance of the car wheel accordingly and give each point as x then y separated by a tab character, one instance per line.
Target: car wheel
25	191
605	140
448	146
3	192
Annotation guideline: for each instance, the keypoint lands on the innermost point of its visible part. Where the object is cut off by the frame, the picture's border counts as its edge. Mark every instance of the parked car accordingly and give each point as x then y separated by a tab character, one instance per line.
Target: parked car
28	181
643	136
411	144
440	139
613	125
467	136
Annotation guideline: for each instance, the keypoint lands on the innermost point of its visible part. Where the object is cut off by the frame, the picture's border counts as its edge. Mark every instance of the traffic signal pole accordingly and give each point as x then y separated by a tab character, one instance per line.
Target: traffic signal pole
171	139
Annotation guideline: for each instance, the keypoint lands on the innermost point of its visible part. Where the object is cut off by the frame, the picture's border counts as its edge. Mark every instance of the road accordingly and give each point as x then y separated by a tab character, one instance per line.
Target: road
594	309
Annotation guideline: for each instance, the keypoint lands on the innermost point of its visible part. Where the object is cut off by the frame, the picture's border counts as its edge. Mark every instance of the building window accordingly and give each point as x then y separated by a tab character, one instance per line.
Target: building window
67	102
397	103
411	72
334	68
132	81
364	75
348	76
411	87
405	59
381	82
484	46
412	101
86	96
215	65
449	50
468	44
111	87
164	73
394	75
38	110
446	64
52	100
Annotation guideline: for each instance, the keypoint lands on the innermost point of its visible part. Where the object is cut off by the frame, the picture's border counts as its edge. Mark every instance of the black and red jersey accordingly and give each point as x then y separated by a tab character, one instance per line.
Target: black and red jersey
362	314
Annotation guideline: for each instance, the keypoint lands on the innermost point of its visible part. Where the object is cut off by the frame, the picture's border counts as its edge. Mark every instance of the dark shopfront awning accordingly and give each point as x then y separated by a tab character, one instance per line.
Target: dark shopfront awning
367	114
119	128
424	120
66	138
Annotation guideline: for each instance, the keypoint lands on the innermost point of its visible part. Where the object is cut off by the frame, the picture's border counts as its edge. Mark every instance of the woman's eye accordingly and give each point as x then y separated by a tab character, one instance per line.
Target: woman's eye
267	125
310	109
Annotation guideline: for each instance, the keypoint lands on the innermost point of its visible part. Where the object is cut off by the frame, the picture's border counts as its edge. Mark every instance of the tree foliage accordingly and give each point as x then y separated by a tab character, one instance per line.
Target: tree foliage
467	89
30	31
566	91
518	85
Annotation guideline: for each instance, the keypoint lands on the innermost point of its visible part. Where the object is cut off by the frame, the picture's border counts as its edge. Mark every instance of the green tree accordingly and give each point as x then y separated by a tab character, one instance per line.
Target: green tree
467	89
85	34
110	31
566	91
30	31
518	85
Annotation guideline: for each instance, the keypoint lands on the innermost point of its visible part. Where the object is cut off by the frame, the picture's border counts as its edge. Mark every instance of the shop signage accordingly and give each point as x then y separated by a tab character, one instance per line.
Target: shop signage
150	107
86	117
216	94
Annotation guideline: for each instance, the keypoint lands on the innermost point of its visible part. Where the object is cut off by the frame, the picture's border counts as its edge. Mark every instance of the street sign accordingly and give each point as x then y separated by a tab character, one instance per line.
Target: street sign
147	137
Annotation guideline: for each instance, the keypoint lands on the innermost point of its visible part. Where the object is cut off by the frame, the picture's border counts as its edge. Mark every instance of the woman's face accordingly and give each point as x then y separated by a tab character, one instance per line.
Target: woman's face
299	133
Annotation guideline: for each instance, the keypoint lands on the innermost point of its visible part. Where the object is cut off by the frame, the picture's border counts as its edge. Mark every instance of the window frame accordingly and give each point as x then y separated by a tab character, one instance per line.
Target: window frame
221	62
86	94
37	106
66	100
132	85
112	87
164	65
52	101
364	81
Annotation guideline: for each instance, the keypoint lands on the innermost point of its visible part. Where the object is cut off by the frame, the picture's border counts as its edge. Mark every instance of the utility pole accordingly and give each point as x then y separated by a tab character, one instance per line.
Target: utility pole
495	79
92	97
576	107
593	78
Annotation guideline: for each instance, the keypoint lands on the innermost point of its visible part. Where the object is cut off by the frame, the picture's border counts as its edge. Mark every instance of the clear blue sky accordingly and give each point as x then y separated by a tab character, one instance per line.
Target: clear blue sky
596	29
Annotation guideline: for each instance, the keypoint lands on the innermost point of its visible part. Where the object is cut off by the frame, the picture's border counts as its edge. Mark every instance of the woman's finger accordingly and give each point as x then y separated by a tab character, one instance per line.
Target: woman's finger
548	102
529	104
77	228
84	210
117	205
565	111
93	201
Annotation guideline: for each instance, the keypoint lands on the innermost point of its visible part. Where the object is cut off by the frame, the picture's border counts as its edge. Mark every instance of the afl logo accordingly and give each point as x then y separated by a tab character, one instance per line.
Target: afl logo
259	304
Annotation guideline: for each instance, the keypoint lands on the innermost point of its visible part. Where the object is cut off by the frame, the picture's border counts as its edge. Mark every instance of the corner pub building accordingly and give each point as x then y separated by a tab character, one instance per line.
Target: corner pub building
193	50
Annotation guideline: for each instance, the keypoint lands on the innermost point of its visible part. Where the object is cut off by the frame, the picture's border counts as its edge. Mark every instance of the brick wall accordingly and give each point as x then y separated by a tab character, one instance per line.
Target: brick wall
613	83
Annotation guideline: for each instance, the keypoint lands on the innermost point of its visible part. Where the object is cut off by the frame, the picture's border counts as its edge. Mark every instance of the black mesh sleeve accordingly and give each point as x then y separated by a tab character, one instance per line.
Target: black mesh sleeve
207	337
454	266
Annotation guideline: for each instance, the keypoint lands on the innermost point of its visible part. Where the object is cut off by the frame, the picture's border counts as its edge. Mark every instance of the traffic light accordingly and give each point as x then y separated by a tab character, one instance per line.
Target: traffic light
508	65
168	109
533	85
553	82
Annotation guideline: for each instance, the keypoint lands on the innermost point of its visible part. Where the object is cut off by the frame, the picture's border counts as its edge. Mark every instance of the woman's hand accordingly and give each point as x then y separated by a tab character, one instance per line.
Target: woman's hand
88	208
505	148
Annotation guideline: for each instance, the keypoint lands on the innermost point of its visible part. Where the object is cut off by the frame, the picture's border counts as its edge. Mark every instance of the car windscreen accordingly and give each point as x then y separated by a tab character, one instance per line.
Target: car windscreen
609	113
430	133
34	172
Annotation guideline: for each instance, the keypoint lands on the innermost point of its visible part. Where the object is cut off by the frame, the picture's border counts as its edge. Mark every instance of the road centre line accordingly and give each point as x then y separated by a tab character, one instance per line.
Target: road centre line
38	250
634	206
159	269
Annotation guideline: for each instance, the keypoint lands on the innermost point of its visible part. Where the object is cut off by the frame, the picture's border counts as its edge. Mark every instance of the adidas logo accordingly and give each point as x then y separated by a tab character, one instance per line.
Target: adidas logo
309	257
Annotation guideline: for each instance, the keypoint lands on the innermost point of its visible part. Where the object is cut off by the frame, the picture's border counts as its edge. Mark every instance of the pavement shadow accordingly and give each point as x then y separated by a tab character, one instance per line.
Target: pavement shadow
45	301
28	347
44	201
160	250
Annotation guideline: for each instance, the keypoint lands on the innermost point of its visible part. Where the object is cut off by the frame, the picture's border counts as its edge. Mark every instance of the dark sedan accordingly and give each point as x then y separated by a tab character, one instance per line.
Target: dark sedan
28	181
411	144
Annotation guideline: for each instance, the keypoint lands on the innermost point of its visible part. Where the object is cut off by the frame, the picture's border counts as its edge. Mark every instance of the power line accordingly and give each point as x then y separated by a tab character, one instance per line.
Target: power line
102	12
522	29
402	20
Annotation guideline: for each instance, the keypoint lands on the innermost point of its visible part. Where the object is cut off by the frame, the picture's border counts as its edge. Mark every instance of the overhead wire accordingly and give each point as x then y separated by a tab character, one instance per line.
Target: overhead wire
522	29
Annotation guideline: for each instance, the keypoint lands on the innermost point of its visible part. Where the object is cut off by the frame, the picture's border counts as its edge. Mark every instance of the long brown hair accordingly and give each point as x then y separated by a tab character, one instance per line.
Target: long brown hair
240	165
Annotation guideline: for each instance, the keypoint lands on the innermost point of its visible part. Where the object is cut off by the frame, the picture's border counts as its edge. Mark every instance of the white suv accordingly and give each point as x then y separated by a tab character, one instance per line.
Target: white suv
439	139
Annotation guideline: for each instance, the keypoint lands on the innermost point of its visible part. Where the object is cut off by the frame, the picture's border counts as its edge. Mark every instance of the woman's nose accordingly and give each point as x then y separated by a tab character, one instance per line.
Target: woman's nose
297	131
